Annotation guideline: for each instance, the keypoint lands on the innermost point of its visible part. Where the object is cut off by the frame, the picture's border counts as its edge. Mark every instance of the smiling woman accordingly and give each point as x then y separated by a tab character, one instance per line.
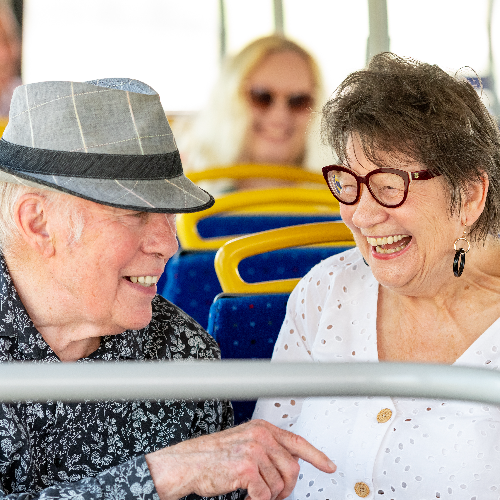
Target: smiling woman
393	125
261	111
280	96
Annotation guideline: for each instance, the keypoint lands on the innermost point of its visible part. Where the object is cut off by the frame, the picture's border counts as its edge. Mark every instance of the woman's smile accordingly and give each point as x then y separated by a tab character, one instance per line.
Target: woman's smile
389	244
277	132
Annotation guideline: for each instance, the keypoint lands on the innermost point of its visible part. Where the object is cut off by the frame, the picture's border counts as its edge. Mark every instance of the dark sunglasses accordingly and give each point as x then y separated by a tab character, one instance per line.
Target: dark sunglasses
389	186
264	99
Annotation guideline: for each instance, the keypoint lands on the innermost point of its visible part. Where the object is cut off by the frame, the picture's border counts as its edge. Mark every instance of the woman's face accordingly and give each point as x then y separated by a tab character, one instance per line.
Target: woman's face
422	259
278	124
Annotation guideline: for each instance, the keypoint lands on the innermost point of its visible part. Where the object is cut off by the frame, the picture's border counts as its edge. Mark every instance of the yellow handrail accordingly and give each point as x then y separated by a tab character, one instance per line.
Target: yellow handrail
246	171
233	252
3	123
187	230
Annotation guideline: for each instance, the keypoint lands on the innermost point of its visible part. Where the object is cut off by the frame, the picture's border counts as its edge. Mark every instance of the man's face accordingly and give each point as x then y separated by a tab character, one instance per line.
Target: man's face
100	275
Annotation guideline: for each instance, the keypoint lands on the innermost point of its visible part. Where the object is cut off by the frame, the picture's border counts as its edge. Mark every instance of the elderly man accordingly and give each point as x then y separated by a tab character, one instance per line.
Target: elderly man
90	178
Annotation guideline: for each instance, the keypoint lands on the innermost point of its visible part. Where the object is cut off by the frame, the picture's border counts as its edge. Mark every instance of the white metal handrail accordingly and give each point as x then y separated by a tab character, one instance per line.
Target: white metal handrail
242	380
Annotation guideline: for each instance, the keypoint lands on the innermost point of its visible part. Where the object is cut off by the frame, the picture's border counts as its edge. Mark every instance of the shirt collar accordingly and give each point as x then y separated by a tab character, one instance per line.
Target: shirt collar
16	323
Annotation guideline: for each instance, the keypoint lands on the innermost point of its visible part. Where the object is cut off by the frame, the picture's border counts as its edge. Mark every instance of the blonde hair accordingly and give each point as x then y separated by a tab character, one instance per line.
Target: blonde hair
10	32
10	194
216	135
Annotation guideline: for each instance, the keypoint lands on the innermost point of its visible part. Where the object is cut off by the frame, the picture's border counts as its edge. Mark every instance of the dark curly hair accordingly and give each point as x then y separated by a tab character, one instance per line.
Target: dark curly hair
406	108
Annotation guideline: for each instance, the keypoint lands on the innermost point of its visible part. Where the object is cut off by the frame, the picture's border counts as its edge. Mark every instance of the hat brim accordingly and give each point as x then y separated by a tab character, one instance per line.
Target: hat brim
174	195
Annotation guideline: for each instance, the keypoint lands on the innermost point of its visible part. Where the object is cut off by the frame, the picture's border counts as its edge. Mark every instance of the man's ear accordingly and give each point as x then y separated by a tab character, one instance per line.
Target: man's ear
474	200
31	218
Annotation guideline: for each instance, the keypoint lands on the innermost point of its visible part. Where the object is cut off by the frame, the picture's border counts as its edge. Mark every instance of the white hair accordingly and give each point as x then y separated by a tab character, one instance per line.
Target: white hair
66	208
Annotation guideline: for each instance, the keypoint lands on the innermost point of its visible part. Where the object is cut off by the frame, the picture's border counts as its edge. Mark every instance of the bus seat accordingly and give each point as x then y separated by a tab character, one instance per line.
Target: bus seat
257	209
192	284
246	326
333	235
232	225
290	173
271	214
246	319
258	316
3	123
189	279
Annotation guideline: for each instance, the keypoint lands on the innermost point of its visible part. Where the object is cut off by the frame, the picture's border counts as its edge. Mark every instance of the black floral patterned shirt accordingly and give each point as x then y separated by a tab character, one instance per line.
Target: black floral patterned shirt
95	450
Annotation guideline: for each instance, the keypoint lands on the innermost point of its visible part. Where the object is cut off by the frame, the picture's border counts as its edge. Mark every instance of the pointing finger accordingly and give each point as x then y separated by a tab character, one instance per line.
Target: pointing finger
301	448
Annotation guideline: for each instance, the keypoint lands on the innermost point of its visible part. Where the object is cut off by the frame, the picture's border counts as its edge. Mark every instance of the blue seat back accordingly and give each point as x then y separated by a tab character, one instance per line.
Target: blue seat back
229	224
190	281
246	327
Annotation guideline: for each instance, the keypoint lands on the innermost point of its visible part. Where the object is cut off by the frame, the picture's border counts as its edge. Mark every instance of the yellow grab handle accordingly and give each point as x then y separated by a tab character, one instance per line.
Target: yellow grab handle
245	171
233	252
4	120
187	230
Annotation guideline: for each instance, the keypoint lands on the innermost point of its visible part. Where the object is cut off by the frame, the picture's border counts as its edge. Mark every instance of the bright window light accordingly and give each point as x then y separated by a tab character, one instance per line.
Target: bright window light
169	44
174	45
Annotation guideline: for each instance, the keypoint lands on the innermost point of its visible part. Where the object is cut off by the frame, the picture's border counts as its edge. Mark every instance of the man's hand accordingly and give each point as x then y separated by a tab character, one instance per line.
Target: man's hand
256	456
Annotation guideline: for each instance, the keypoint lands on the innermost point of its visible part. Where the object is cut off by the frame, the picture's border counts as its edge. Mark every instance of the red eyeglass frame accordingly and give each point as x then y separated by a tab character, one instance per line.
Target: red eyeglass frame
420	175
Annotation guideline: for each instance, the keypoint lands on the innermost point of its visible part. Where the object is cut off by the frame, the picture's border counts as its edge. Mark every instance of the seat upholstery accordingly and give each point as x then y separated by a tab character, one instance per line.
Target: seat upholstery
246	327
190	281
231	224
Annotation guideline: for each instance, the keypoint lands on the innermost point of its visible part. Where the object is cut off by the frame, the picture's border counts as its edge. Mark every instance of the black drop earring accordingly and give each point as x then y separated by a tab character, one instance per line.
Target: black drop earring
459	260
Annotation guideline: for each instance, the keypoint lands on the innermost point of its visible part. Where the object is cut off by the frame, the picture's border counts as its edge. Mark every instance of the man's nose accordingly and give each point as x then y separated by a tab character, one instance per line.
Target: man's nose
161	236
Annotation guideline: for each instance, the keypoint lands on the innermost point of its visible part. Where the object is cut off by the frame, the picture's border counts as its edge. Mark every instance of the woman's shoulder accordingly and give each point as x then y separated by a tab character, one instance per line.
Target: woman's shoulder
342	269
340	277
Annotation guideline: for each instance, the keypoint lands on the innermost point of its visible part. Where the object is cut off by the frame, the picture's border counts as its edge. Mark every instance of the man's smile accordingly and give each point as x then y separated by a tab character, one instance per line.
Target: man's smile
143	280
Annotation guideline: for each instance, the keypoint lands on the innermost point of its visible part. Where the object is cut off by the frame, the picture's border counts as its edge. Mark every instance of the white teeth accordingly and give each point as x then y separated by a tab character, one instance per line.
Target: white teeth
375	242
389	250
387	240
144	280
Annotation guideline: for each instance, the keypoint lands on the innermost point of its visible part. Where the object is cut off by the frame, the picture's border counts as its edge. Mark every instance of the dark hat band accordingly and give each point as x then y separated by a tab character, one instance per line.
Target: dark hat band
17	158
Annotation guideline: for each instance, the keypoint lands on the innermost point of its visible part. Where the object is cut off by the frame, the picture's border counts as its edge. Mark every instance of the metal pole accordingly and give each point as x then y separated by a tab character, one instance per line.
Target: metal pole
378	38
242	380
495	108
279	25
222	30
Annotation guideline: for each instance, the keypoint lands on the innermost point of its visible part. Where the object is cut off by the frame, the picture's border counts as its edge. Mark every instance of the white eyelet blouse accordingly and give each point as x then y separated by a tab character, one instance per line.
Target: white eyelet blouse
384	448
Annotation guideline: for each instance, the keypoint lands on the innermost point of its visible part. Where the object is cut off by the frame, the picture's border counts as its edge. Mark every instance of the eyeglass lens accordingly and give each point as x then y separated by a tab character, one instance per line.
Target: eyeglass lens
386	188
264	99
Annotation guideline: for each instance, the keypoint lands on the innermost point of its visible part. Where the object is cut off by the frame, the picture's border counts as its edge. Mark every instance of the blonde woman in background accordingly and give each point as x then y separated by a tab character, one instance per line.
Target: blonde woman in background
261	111
10	57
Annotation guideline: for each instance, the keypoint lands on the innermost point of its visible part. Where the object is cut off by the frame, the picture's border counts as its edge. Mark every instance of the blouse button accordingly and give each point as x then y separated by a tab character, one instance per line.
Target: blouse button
362	490
384	416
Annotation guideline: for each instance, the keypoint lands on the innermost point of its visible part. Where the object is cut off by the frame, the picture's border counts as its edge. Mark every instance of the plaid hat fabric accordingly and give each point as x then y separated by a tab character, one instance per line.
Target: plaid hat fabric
107	141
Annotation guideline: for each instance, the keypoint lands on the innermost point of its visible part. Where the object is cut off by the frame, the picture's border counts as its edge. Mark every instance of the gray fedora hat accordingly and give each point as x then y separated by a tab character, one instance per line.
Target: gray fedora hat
107	141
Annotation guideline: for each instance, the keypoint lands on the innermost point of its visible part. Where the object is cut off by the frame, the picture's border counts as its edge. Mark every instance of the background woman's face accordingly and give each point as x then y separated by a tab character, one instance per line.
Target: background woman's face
277	129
